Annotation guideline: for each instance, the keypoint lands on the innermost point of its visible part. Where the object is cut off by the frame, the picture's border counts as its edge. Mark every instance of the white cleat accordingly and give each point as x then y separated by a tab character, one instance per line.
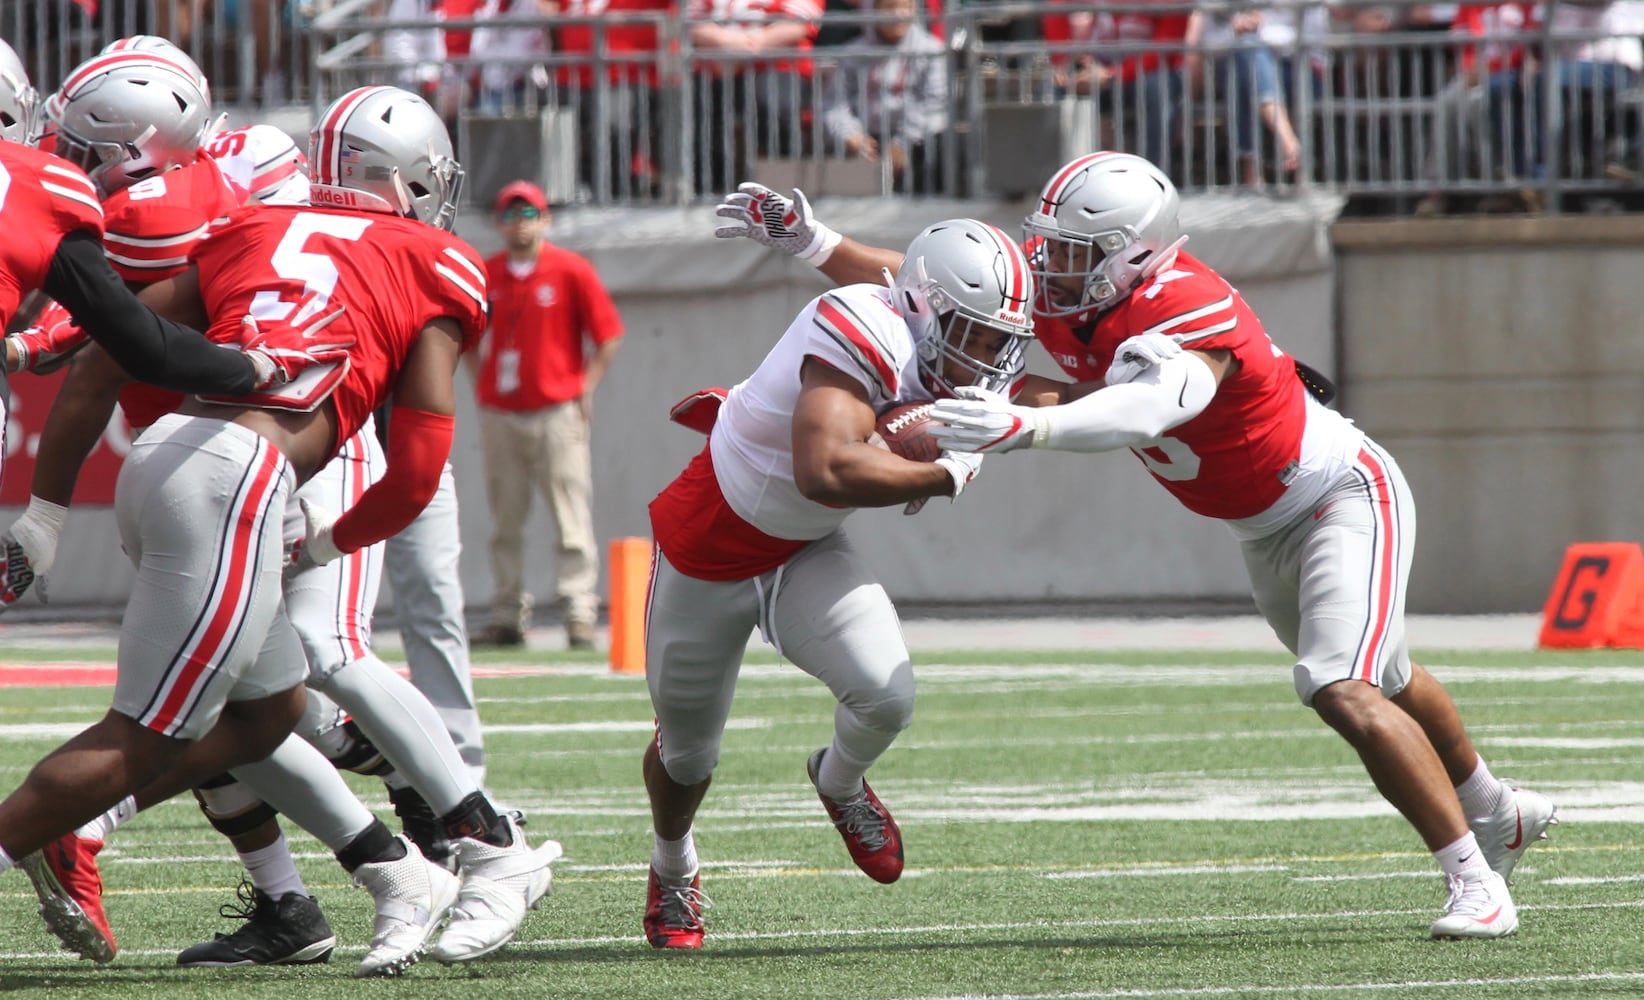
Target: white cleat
412	896
1480	907
499	886
1520	820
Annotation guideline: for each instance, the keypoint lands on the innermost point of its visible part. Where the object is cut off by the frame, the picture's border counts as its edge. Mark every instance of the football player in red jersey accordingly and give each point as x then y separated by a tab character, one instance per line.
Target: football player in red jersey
1171	363
185	662
55	225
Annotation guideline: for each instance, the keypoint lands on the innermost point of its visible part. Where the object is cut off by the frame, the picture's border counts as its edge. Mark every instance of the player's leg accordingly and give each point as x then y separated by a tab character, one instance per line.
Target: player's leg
1353	569
331	606
567	485
508	471
696	632
830	616
422	563
194	498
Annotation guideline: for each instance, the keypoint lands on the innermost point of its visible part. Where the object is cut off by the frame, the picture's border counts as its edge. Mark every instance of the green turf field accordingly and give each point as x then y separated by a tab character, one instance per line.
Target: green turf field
1149	825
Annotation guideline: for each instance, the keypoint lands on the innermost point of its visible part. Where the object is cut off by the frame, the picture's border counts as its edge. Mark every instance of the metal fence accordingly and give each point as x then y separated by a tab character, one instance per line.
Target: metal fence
1531	107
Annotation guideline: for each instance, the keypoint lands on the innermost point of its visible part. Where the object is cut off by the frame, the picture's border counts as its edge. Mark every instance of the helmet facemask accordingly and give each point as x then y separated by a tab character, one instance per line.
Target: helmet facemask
1092	258
950	335
100	160
18	113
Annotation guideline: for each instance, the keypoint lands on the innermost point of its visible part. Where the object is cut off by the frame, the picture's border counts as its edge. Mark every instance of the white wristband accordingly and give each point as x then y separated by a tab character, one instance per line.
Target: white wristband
45	515
821	246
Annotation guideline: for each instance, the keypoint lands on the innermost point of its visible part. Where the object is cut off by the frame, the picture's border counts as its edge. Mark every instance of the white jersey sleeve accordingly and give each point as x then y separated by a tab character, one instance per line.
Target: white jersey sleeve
855	330
264	163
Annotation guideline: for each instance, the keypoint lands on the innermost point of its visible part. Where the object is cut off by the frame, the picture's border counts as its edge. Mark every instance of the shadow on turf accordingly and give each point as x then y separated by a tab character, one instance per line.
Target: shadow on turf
1356	934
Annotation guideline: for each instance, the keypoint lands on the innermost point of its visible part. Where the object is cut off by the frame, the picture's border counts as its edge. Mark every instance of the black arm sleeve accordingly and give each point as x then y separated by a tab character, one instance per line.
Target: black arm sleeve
149	347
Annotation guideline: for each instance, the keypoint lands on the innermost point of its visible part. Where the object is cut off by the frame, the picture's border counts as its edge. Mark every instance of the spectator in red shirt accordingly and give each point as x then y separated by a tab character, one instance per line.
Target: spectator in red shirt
535	379
751	95
626	84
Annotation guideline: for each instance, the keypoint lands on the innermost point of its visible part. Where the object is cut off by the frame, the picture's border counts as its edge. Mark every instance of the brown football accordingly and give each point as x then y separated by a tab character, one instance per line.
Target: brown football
905	430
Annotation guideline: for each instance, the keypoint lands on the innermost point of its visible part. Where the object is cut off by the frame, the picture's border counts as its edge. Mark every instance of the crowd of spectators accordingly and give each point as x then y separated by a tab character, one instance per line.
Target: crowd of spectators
1464	109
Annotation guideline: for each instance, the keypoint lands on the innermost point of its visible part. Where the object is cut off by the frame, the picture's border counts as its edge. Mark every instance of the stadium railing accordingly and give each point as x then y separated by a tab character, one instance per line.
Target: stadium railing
1383	104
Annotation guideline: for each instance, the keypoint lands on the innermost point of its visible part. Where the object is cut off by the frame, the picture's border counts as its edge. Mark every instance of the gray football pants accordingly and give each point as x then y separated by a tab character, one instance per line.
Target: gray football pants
823	610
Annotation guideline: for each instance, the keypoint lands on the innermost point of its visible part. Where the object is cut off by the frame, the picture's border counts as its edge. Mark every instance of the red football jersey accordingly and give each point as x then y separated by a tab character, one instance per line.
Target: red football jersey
153	224
1233	460
392	275
42	199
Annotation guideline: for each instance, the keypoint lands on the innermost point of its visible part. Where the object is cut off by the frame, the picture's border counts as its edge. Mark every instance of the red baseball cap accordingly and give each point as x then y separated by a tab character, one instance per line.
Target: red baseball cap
522	191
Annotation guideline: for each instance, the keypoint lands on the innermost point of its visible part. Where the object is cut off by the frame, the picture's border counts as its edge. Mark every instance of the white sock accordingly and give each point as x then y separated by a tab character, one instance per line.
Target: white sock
6	863
1462	857
102	826
273	869
838	778
675	860
1481	793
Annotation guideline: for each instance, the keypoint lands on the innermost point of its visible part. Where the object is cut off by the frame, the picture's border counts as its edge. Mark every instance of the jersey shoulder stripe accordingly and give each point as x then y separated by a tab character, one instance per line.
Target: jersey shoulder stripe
839	320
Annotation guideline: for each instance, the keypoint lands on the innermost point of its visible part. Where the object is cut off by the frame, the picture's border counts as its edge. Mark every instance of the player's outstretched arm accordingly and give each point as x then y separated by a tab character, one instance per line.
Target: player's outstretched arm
1119	416
833	463
421	426
786	225
150	348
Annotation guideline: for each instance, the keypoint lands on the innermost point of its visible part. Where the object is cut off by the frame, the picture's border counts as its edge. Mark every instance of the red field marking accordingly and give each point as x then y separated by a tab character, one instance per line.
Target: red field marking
102	674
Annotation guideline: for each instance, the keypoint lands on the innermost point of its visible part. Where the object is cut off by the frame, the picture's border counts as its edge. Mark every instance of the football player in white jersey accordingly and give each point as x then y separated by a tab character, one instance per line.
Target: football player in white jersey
1171	362
750	534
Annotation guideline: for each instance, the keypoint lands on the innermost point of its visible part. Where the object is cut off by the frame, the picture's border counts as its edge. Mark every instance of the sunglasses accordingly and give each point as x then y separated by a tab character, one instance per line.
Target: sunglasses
525	213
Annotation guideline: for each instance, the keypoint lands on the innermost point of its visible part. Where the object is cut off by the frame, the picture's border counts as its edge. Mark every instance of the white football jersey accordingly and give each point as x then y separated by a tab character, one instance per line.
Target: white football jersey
262	162
853	329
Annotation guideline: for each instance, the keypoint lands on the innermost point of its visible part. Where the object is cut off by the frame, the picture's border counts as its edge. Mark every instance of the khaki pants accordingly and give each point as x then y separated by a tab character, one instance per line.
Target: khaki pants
545	450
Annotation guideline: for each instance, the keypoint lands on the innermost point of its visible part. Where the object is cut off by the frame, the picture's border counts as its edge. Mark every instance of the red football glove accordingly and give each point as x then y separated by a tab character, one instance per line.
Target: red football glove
283	349
49	343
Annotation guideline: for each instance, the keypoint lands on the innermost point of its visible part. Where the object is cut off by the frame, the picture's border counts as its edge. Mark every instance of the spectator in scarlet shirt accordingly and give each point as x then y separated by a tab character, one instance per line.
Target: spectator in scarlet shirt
627	85
535	381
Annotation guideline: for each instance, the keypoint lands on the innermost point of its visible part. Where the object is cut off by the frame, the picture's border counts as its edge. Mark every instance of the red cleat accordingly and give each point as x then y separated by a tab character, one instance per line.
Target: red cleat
65	877
673	913
871	835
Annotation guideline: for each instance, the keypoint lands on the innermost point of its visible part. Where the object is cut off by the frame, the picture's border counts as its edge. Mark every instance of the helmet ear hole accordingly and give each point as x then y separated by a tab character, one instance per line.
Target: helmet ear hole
912	304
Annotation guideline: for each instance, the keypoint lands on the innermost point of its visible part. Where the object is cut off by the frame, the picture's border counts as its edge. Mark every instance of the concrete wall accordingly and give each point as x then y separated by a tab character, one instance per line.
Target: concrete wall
701	311
1500	361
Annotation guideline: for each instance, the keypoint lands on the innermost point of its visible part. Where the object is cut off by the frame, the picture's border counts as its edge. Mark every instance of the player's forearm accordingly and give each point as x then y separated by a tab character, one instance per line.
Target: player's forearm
419	443
1129	414
151	349
853	263
73	427
865	475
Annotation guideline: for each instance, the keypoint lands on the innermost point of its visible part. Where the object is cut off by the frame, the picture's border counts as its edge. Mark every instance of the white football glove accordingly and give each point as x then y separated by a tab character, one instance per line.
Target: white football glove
1138	354
776	221
30	550
316	547
980	420
961	466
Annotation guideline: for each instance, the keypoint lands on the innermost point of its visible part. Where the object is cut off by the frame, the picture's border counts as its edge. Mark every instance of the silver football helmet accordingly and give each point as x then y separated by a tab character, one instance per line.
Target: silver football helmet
164	48
1109	219
960	281
127	116
18	100
383	149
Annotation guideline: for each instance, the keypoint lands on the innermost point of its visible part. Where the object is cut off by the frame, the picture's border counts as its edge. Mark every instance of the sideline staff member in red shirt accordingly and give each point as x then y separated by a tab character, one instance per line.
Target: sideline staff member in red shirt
535	386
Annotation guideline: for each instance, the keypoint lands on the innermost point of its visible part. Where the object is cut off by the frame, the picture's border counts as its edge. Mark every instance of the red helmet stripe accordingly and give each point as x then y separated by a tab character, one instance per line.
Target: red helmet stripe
1053	191
329	168
103	63
1016	282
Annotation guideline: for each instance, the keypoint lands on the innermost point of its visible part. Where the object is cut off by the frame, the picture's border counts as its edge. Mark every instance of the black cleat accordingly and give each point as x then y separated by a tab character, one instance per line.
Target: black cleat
288	931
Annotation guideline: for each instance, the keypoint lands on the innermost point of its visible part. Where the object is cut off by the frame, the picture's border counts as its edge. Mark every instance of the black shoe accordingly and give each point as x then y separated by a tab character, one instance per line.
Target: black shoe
501	636
422	827
287	931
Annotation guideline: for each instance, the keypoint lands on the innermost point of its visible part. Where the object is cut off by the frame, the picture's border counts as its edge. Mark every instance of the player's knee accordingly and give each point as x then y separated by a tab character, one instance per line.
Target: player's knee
1352	708
887	707
690	764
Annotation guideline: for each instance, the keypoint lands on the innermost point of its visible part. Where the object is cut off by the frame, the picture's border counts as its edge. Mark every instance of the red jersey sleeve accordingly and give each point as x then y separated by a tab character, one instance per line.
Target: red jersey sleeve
457	288
42	199
600	319
154	224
